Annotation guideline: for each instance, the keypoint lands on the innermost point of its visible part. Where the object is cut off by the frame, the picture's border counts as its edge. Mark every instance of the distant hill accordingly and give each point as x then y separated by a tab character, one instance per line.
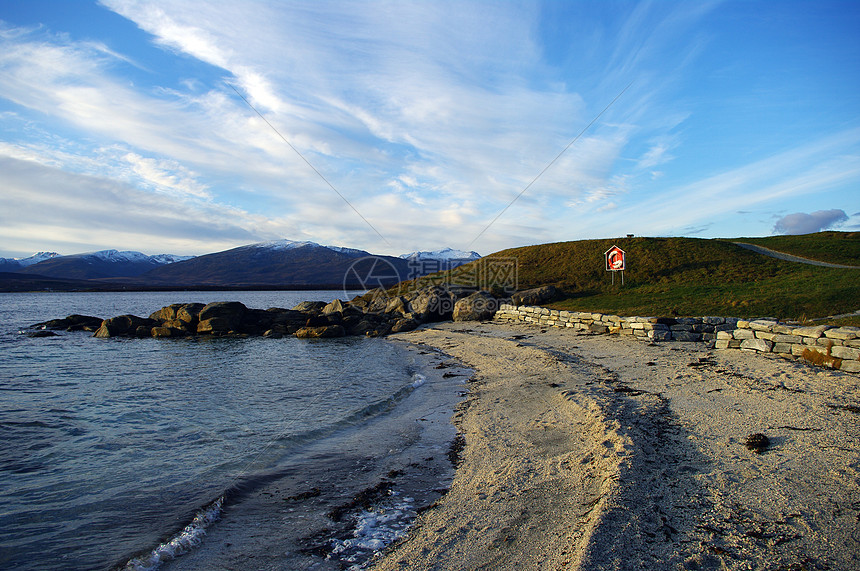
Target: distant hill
692	276
283	262
453	257
16	264
277	264
98	265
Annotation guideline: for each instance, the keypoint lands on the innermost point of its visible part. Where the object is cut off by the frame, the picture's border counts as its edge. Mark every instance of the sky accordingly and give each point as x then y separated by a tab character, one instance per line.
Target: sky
170	126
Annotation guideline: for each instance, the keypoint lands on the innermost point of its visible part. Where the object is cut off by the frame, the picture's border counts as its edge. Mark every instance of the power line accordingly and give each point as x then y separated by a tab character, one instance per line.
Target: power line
523	191
331	186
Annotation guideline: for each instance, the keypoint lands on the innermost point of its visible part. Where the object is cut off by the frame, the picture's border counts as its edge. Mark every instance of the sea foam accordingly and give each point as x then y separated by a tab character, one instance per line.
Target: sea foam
190	536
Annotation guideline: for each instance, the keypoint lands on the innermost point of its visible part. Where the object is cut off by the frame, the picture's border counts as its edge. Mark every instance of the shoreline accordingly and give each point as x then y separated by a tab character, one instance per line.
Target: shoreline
335	502
586	452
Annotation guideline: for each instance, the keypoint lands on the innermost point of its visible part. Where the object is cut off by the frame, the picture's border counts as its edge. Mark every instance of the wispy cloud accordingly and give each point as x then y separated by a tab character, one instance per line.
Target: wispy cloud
429	117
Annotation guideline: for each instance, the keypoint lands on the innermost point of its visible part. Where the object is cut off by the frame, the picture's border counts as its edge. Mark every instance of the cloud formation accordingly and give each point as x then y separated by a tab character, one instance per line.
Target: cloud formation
429	117
803	223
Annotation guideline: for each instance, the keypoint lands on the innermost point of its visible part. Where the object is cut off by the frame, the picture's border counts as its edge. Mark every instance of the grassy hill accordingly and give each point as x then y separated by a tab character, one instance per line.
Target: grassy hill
834	247
691	276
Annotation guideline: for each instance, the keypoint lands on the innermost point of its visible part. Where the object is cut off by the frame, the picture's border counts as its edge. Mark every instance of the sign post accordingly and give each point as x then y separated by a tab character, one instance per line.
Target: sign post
615	262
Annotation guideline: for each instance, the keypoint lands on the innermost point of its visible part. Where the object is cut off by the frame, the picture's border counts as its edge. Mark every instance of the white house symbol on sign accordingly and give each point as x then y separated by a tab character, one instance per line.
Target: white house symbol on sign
615	262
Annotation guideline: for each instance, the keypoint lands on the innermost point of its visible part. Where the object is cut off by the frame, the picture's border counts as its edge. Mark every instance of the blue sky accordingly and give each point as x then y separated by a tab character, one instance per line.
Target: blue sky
120	126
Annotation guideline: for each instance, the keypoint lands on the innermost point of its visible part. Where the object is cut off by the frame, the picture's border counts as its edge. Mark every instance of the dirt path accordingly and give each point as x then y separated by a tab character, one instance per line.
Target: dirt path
791	258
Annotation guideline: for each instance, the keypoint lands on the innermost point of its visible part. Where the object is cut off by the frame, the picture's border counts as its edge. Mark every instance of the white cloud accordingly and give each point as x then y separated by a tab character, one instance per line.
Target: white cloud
167	176
429	117
803	223
70	213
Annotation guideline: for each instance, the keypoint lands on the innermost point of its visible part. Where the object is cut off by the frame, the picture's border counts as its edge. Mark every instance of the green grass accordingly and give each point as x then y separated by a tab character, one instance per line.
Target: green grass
691	277
834	247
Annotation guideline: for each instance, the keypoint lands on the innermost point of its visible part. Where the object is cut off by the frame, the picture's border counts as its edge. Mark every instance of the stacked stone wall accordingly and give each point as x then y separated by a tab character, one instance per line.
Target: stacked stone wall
825	345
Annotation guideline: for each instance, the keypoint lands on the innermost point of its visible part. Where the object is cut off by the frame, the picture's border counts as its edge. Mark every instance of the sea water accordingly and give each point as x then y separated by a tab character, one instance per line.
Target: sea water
125	452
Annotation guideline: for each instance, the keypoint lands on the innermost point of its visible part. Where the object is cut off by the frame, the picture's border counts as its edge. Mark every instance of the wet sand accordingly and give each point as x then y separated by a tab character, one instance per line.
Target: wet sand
596	452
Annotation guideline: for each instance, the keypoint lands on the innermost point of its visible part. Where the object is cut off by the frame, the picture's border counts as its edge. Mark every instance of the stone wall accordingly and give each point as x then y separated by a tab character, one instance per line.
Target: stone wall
826	345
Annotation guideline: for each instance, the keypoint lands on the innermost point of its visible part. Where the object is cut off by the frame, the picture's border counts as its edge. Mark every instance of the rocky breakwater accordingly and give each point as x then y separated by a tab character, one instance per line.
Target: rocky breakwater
378	312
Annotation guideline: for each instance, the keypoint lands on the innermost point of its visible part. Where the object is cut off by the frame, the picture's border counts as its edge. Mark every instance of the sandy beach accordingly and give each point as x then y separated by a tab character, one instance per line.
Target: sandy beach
596	452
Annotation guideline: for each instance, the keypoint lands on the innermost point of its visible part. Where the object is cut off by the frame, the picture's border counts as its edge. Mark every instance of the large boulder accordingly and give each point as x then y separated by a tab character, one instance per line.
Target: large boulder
534	296
216	326
432	303
324	331
397	304
404	324
256	321
478	306
374	301
335	306
189	313
225	309
310	306
125	325
74	322
168	332
167	313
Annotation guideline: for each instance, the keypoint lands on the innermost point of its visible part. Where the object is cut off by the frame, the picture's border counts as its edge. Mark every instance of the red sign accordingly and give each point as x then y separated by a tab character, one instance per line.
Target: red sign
614	259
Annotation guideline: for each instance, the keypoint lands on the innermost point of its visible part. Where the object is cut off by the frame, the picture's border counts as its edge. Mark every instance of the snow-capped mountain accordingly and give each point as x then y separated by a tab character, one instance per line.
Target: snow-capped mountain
36	258
293	244
169	258
277	263
283	263
446	255
97	265
15	264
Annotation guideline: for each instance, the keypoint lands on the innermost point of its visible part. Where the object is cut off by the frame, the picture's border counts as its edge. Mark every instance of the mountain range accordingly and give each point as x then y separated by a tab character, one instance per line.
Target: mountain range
281	263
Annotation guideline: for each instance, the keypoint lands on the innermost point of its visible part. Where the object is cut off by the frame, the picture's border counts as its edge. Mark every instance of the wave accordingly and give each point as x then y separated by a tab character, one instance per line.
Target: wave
192	534
190	537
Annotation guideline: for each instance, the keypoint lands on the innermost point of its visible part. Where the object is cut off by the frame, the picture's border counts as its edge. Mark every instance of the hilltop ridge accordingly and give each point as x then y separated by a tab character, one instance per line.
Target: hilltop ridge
693	276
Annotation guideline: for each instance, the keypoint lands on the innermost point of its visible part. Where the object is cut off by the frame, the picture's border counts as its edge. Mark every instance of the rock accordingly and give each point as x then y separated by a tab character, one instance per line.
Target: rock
215	325
404	324
478	306
687	336
335	306
535	296
74	322
657	335
757	442
760	345
397	304
373	301
163	331
433	303
180	325
189	313
288	318
230	310
273	334
167	313
325	331
124	325
813	332
42	333
843	333
317	321
363	326
310	306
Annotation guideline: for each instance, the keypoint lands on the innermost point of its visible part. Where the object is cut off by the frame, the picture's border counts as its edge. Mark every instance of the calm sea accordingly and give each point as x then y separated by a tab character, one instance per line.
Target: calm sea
127	453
